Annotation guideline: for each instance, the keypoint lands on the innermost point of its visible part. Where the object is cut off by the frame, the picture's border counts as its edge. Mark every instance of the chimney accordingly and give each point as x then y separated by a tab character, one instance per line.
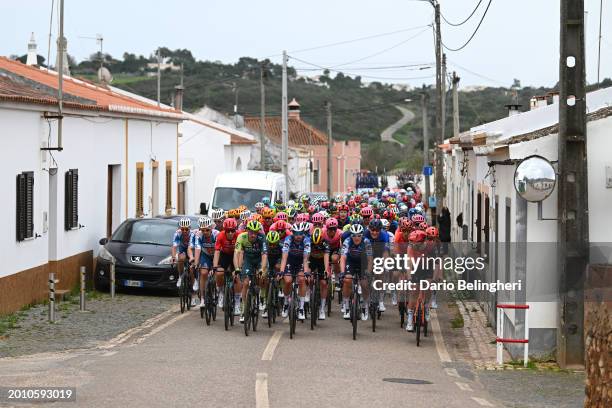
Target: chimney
537	101
179	90
32	56
554	97
294	109
513	109
62	44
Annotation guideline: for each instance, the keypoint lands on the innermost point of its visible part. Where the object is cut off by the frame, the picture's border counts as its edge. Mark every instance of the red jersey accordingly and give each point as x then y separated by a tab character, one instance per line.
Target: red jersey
224	245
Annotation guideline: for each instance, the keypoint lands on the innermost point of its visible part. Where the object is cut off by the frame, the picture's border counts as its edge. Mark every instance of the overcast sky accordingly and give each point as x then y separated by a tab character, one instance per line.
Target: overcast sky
518	38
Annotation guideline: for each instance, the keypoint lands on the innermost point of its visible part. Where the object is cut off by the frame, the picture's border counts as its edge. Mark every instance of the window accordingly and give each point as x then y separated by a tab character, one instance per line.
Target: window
315	174
71	200
168	187
139	189
25	205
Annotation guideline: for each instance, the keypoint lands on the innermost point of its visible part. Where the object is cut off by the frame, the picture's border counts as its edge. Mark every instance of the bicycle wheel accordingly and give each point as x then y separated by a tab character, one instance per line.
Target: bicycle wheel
232	305
247	313
313	307
355	314
270	304
329	297
208	301
402	311
373	315
417	323
254	311
227	306
292	318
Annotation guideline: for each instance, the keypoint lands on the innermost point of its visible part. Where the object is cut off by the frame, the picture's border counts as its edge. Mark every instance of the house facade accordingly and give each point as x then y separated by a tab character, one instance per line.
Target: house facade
118	159
518	238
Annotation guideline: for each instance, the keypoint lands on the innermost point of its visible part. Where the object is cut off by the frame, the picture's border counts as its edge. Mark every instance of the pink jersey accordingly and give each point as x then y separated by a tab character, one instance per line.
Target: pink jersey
334	242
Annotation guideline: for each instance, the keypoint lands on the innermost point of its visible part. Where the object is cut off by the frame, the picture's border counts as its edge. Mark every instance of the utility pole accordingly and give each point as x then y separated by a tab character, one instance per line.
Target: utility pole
424	102
599	44
455	105
443	129
61	49
572	198
285	127
262	118
158	77
439	175
329	150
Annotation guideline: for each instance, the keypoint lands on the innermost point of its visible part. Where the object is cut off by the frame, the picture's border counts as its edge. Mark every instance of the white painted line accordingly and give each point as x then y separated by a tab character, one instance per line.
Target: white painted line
439	340
452	372
109	353
268	353
160	328
261	391
464	386
483	402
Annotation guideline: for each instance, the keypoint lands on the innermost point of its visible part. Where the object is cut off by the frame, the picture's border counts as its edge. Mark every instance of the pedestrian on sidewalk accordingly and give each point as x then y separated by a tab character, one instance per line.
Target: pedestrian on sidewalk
444	228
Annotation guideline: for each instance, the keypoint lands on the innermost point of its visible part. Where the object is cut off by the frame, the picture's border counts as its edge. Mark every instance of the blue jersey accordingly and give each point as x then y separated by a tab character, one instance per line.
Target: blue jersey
206	245
393	226
296	250
379	245
356	254
181	241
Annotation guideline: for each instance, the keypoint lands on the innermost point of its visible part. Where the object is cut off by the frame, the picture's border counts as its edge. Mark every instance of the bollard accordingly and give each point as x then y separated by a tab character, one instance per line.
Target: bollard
52	298
112	278
82	297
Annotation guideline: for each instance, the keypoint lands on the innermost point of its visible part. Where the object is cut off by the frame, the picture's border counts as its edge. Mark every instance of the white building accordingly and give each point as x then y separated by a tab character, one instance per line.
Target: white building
119	159
479	167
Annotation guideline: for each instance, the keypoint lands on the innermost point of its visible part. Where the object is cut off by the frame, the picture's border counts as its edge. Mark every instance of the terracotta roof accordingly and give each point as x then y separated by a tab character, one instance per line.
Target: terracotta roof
241	140
36	85
235	138
300	132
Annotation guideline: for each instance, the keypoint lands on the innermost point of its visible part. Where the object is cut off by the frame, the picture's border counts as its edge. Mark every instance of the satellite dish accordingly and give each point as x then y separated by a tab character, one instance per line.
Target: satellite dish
104	75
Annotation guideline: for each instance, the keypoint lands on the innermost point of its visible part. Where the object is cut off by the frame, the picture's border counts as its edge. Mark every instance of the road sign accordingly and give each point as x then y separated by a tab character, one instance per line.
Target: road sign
427	170
432	202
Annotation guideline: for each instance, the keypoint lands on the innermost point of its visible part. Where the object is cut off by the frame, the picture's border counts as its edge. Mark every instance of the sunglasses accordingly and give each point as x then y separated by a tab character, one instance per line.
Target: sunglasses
357	235
268	219
184	229
206	230
230	231
332	229
375	229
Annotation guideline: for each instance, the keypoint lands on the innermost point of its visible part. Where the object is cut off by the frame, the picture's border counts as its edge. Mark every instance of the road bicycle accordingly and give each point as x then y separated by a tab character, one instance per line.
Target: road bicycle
272	300
228	300
355	305
209	310
184	291
419	320
293	305
374	307
251	306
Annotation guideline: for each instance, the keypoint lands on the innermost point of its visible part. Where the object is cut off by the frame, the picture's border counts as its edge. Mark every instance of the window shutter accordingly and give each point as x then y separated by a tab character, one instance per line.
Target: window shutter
71	202
20	205
25	206
139	189
29	204
168	187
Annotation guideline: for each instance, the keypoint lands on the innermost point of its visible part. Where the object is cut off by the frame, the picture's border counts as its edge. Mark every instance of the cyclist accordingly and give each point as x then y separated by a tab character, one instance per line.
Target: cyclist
217	216
333	236
268	218
418	248
180	247
224	260
317	221
356	251
250	255
380	248
275	252
204	245
319	265
294	264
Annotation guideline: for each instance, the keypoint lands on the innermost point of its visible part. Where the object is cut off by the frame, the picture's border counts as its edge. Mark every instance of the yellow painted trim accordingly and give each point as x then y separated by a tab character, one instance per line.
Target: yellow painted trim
139	165
126	168
177	161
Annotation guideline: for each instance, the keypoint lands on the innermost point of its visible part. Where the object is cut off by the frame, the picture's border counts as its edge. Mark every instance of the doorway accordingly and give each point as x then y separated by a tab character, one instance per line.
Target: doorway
181	197
154	190
113	198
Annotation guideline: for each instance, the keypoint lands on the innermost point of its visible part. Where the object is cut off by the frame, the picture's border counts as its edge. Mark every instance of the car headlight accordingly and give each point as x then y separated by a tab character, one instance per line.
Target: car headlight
105	254
166	261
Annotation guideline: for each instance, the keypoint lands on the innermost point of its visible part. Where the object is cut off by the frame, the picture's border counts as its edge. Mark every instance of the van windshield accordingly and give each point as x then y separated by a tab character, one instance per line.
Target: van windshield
231	197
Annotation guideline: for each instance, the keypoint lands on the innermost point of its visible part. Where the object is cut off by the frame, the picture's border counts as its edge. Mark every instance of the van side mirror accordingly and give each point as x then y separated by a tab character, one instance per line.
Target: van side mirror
203	208
103	241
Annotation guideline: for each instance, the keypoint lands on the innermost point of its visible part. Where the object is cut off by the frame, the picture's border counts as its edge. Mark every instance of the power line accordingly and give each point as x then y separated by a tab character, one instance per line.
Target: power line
476	73
464	21
473	34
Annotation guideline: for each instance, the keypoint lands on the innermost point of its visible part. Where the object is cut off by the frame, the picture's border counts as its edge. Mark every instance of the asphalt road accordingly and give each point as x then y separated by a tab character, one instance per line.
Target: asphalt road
178	361
387	134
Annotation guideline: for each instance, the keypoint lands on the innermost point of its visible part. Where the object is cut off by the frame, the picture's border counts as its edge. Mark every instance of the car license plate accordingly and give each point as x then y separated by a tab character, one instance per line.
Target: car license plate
133	283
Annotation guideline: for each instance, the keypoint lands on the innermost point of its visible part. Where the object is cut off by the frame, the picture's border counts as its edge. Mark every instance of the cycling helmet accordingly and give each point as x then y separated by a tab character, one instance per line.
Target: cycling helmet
305	198
291	212
232	213
256	217
279	207
417	236
385	223
268	213
318	218
184	223
412	211
244	215
317	236
230	224
290	203
280	225
405	225
423	226
356	219
417	218
217	213
331	223
302	217
205	222
375	224
273	237
366	212
356	229
343	207
265	200
300	227
432	232
242	208
280	216
259	205
254	226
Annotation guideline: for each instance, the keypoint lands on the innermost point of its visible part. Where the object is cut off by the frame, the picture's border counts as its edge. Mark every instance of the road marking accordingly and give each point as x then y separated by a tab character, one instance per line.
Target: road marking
464	386
439	340
272	343
452	372
261	390
160	328
109	353
483	402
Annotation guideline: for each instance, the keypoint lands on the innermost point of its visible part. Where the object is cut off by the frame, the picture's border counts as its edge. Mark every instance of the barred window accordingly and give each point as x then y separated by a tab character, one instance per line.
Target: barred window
25	205
71	200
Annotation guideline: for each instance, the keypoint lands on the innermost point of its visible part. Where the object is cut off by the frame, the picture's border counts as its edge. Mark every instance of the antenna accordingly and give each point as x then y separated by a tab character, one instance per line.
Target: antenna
100	41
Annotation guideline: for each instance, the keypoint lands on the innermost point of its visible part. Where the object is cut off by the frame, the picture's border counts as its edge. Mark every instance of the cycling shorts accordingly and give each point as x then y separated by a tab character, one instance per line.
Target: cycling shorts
249	268
317	266
206	261
226	261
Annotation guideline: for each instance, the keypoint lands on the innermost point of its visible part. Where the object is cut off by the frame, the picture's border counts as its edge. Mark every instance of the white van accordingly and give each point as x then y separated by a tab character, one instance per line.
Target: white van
233	189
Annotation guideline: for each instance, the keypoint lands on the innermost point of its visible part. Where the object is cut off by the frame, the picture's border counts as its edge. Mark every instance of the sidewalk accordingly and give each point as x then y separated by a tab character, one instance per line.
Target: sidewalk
29	331
472	347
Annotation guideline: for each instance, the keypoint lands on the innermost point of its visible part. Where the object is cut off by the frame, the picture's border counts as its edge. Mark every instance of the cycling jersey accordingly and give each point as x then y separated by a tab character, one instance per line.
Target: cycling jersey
335	241
225	245
356	254
252	250
400	242
181	241
207	247
318	251
296	250
393	226
380	244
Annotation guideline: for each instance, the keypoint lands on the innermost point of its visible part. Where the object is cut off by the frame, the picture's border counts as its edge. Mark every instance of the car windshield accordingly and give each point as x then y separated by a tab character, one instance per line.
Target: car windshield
154	232
226	197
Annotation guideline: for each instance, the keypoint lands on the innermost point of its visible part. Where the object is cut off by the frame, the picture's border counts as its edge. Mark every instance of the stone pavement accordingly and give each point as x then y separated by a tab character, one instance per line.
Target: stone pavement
105	318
